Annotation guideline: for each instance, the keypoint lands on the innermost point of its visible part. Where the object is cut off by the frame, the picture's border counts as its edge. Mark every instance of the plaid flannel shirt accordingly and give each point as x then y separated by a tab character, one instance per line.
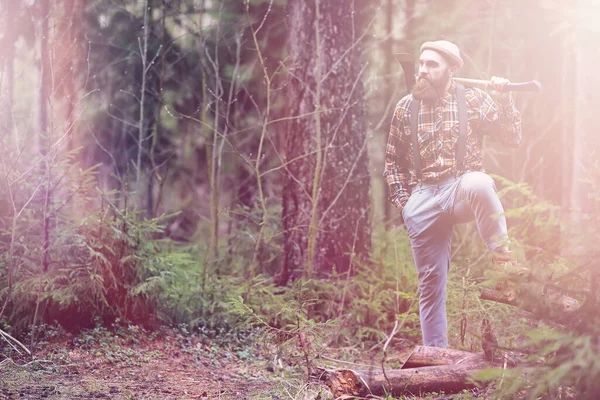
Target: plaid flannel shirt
438	133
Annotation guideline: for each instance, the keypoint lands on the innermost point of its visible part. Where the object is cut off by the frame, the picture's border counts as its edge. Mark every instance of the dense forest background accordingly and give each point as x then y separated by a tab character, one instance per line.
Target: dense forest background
204	162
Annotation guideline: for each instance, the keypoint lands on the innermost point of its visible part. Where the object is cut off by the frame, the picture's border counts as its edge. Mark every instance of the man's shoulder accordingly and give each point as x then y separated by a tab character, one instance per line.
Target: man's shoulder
404	102
475	93
402	109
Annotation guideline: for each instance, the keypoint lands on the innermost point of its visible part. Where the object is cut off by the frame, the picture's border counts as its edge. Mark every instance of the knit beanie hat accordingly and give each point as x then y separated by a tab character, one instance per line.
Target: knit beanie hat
445	48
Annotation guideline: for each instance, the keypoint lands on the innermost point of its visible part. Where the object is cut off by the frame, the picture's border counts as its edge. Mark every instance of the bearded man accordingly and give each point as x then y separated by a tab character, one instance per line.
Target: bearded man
436	176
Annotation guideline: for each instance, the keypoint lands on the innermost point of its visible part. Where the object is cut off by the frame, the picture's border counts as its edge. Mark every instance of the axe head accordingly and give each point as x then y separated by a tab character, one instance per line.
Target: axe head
407	61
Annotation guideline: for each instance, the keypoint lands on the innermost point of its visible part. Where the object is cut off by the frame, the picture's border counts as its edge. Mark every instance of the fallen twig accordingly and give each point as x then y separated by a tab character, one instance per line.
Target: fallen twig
6	337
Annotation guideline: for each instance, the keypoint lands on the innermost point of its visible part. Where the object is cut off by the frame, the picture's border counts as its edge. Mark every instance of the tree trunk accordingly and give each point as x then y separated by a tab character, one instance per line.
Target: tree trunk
142	123
45	91
9	38
388	210
586	120
567	99
68	58
326	195
409	27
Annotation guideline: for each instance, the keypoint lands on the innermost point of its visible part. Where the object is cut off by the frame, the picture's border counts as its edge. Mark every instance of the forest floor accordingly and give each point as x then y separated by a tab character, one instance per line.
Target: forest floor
131	363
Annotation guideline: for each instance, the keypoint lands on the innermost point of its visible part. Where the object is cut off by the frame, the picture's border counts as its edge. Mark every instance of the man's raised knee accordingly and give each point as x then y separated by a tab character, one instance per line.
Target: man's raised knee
477	182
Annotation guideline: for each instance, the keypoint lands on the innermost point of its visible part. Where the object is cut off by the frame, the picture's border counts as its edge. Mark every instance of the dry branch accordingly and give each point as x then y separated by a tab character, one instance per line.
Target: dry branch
9	338
536	298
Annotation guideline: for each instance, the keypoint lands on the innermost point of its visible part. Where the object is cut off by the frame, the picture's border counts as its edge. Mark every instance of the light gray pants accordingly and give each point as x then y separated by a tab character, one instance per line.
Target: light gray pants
431	212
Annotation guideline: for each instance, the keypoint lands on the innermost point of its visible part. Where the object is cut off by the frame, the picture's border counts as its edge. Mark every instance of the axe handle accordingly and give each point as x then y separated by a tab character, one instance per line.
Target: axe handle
531	86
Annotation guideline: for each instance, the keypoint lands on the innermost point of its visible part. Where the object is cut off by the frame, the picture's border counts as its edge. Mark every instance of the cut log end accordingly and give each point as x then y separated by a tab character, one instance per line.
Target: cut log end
342	382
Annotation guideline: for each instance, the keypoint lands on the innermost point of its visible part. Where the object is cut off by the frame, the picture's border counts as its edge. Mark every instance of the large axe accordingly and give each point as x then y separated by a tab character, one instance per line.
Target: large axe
407	62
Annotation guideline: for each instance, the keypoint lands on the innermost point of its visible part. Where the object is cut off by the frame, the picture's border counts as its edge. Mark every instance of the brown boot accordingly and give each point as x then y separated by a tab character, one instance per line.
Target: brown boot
504	257
508	260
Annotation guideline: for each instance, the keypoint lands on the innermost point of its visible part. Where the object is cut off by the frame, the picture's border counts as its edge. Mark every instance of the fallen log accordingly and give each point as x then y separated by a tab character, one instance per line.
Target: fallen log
431	369
426	356
345	383
536	299
519	286
427	369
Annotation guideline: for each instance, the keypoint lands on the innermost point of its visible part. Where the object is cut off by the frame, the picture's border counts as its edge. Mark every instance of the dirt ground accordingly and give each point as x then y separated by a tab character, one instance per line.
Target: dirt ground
137	365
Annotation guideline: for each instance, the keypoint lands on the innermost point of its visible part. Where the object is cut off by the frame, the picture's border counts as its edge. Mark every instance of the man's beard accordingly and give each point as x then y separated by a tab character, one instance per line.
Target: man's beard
425	91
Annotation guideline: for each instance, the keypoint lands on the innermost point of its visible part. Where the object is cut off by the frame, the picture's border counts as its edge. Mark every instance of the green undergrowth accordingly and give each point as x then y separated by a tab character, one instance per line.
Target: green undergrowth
102	263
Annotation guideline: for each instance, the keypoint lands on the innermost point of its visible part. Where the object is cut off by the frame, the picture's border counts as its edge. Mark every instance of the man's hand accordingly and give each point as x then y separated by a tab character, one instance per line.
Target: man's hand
495	89
399	199
400	207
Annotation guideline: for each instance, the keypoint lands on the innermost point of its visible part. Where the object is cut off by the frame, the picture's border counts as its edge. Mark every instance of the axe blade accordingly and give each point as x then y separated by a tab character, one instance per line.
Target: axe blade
407	62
